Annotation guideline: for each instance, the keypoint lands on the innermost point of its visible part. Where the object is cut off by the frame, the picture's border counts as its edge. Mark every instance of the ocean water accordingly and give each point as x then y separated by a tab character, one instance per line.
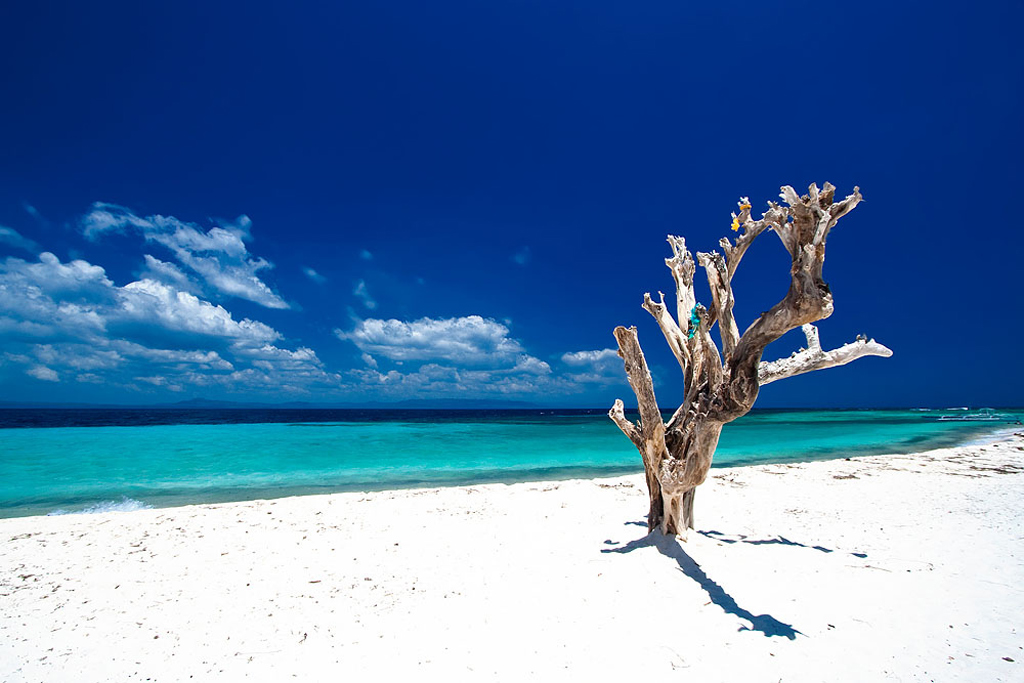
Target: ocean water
69	461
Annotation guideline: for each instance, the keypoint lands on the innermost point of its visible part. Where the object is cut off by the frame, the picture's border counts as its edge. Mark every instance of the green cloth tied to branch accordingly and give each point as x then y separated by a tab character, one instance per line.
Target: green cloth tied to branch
691	330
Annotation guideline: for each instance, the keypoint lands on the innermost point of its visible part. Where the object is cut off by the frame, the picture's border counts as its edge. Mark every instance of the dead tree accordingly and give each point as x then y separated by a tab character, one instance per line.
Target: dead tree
722	386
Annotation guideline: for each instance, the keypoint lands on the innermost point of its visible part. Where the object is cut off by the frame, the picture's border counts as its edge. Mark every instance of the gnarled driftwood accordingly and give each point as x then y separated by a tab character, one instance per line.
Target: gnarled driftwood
720	386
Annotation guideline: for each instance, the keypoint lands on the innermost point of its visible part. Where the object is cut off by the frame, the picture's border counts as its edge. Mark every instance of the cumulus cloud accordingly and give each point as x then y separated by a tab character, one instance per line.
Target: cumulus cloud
44	373
470	356
48	298
210	360
153	302
218	256
444	381
77	280
77	356
69	320
12	237
601	366
578	359
469	341
168	273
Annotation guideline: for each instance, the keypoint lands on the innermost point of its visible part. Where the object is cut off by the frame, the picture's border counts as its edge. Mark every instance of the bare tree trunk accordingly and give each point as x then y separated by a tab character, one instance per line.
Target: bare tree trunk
722	386
656	510
687	520
677	514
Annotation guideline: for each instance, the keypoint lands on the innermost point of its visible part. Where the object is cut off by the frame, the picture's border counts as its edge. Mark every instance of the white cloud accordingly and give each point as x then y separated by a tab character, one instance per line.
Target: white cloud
77	356
269	352
10	327
314	276
236	280
365	255
469	341
209	360
78	278
471	356
70	320
363	294
153	302
219	256
48	298
12	237
589	358
44	373
531	366
602	366
443	381
168	273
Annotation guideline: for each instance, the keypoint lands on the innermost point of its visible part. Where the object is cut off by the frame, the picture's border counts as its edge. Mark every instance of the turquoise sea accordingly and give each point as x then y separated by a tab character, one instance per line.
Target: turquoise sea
54	461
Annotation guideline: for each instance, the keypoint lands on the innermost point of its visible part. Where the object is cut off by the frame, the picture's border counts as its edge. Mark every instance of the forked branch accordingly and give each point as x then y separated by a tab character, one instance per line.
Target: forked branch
681	265
814	358
722	299
652	429
673	335
677	455
630	429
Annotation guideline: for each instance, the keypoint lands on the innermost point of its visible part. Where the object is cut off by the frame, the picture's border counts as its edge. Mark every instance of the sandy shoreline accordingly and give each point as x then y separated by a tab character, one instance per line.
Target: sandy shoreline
904	567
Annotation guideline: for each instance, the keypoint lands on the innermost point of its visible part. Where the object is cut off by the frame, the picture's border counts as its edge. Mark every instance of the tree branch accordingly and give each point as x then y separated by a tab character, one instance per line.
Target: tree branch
673	335
705	373
813	358
651	426
808	298
722	298
771	218
677	455
650	440
618	416
803	231
681	265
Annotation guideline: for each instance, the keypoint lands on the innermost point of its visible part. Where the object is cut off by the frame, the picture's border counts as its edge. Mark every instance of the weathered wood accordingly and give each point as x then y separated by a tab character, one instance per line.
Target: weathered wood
722	299
651	442
673	335
678	454
631	430
813	358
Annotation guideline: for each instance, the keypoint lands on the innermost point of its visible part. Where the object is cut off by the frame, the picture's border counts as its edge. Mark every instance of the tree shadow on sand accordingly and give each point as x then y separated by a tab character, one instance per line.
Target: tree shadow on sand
778	540
669	547
741	538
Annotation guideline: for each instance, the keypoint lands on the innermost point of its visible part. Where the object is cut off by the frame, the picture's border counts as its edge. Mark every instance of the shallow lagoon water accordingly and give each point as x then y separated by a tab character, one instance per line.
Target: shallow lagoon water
74	460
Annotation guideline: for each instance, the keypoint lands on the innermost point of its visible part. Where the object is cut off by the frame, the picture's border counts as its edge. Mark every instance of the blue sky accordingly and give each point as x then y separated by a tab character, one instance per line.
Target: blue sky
390	200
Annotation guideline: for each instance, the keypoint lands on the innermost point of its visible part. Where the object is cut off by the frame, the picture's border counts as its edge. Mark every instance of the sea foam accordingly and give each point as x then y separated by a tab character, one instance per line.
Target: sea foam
124	505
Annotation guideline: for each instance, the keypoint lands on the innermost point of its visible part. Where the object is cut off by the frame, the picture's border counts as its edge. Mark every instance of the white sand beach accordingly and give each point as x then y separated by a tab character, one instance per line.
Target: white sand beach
907	568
